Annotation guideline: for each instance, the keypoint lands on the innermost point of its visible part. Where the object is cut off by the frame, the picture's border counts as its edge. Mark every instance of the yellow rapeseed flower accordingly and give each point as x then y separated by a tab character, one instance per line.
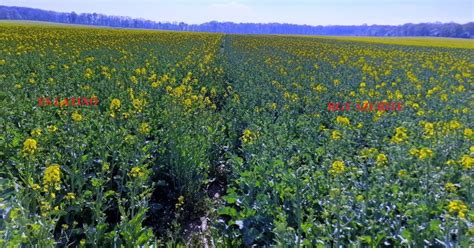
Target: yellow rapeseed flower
273	106
343	120
425	153
451	187
450	162
414	152
180	202
76	116
400	135
125	115
136	172
319	88
52	128
381	159
138	104
468	133
368	152
457	207
335	135
144	128
454	125
88	73
36	132
134	79
466	161
429	129
337	167
444	97
35	186
52	176
129	138
115	104
188	102
248	136
70	196
402	173
30	146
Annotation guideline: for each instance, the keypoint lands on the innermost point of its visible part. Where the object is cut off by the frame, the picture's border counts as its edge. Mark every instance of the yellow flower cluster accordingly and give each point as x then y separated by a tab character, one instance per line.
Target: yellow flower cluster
136	172
30	146
36	132
466	161
422	153
368	152
52	128
429	129
187	102
70	196
381	159
343	121
337	168
144	128
180	202
35	186
457	207
450	187
138	104
88	73
248	136
336	134
468	133
402	173
76	117
400	135
115	104
52	177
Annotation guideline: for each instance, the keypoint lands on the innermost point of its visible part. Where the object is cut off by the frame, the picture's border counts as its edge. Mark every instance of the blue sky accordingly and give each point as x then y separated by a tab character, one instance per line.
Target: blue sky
312	12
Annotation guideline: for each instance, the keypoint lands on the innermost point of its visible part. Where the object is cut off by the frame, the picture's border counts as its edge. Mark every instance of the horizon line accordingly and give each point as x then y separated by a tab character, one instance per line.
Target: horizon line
232	22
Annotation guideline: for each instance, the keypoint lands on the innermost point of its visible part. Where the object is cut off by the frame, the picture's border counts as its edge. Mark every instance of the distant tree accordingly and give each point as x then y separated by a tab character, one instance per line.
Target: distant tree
409	29
73	17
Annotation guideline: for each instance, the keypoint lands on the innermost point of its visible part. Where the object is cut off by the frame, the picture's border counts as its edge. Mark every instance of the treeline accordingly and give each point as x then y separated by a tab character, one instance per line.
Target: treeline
422	29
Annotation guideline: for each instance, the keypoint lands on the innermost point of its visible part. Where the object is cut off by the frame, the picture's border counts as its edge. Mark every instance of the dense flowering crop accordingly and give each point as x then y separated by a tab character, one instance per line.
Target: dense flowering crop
319	175
92	174
234	131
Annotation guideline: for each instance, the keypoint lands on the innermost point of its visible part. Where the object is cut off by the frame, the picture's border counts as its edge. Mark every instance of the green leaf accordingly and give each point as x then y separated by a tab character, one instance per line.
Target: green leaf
84	158
407	235
366	239
227	211
434	225
231	198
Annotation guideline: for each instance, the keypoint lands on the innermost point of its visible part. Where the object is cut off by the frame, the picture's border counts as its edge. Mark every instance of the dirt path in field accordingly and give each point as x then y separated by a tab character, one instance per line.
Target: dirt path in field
198	232
223	44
